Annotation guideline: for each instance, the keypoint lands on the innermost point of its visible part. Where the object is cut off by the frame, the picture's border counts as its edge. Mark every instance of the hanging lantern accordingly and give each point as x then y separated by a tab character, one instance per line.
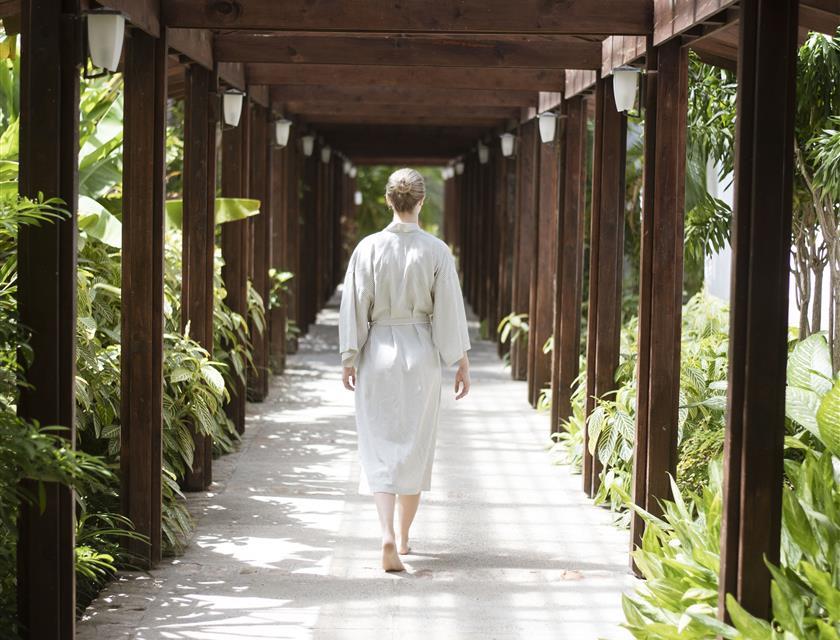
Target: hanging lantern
353	172
308	142
548	126
232	106
625	86
483	153
326	152
281	132
105	31
507	144
347	166
357	198
459	167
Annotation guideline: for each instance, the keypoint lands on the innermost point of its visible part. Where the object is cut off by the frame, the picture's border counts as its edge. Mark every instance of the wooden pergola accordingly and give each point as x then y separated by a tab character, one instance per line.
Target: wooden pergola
419	82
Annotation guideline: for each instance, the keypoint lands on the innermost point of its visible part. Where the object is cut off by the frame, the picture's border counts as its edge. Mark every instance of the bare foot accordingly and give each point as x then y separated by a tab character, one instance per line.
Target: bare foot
404	548
390	559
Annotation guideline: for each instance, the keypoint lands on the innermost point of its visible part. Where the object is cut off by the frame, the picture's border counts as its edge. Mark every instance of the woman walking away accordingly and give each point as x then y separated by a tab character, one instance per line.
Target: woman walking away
401	315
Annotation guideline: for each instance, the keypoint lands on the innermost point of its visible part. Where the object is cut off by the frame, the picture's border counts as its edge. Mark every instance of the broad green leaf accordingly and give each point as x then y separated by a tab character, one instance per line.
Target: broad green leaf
751	628
9	141
212	376
801	406
822	585
227	210
797	524
828	418
809	365
97	222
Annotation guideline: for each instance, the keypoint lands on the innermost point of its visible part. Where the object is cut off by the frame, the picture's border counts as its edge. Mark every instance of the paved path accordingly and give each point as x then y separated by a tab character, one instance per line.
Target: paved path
507	547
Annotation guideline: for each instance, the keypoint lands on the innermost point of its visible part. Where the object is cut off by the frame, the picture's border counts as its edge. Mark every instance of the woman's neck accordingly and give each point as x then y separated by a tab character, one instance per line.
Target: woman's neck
413	216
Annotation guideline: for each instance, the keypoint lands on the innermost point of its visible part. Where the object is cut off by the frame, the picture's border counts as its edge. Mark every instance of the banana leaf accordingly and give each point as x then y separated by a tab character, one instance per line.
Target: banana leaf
97	222
227	210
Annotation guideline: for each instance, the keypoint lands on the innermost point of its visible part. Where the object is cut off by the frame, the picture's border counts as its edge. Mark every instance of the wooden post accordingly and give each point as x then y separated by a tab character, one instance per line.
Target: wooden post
261	229
544	267
293	238
279	180
144	161
567	301
606	255
661	279
235	172
199	186
46	299
508	186
764	166
526	222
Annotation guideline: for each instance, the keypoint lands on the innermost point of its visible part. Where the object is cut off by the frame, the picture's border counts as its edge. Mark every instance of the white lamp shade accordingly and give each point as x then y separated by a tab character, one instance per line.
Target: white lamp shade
507	144
357	198
450	173
483	153
105	32
308	143
548	126
347	167
232	106
326	152
459	167
625	85
281	132
353	172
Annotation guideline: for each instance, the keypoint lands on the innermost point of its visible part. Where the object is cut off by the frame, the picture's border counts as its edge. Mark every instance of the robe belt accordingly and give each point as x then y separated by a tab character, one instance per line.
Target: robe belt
396	322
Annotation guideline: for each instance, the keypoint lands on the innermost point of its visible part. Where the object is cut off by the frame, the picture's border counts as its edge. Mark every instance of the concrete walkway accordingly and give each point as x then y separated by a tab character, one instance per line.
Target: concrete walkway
506	545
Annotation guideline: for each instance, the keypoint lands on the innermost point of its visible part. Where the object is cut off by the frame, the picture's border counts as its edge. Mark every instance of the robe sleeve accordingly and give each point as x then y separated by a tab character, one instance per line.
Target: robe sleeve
354	313
449	320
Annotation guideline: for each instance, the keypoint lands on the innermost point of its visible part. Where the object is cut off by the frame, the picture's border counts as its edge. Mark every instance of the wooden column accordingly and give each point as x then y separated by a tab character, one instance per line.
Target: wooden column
605	260
261	229
544	267
569	278
764	167
279	236
525	247
293	223
199	186
661	279
144	163
508	187
46	299
235	245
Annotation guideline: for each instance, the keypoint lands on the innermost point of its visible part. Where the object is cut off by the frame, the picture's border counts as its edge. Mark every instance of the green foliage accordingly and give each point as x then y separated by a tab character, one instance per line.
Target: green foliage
279	287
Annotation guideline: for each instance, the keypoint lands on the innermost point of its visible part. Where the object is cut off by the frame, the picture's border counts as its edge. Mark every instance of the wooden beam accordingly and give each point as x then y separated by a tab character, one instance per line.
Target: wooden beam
525	247
437	50
661	278
232	74
234	177
195	44
544	266
400	141
198	242
400	161
455	16
764	168
312	110
579	81
569	272
261	247
621	50
499	79
144	14
408	95
141	364
46	303
606	257
442	122
673	18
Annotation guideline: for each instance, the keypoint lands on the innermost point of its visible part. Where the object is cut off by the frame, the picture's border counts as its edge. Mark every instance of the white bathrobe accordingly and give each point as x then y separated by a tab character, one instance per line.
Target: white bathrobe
401	314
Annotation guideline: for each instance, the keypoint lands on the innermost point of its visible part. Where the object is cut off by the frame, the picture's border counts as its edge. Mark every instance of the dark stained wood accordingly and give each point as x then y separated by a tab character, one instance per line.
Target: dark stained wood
195	44
261	247
279	185
259	94
144	14
661	276
527	51
542	279
493	16
142	289
606	255
407	94
569	278
764	166
452	123
672	18
379	113
46	302
234	177
503	79
199	191
579	81
232	74
525	249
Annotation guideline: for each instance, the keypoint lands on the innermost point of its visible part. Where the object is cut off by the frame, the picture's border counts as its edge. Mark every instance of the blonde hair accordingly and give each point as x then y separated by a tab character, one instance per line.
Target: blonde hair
405	188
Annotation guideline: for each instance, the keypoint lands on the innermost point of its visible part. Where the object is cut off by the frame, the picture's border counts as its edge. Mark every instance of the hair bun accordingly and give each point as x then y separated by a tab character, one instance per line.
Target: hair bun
403	186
